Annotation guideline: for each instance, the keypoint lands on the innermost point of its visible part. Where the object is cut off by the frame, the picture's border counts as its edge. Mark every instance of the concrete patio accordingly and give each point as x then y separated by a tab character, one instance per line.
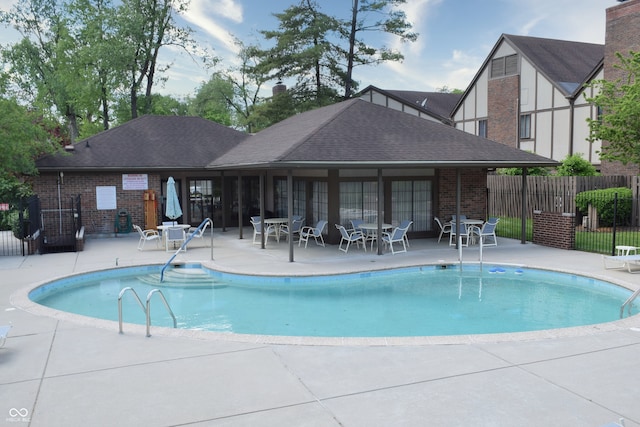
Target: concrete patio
58	369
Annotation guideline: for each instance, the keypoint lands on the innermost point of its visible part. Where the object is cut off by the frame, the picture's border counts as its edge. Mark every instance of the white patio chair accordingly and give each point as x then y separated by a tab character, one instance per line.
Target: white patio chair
486	234
406	224
315	232
270	230
147	236
193	231
296	226
444	228
396	236
175	235
350	236
4	331
464	232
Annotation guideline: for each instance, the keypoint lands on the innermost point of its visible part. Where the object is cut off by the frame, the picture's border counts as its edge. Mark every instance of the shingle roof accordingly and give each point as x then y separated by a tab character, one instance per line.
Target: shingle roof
567	64
436	104
358	133
149	142
440	103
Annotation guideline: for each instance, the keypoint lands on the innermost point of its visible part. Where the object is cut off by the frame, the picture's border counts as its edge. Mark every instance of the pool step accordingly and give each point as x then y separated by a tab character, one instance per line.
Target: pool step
180	276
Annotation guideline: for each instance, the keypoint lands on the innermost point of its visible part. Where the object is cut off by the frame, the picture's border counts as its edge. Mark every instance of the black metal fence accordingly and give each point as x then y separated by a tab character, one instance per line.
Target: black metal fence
61	222
19	226
603	219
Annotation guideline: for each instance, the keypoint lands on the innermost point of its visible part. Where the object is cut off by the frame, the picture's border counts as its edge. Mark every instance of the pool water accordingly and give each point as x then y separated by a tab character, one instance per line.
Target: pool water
418	301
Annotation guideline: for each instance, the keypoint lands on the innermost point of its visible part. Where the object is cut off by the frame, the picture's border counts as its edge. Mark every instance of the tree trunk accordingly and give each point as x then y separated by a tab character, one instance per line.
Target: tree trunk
352	42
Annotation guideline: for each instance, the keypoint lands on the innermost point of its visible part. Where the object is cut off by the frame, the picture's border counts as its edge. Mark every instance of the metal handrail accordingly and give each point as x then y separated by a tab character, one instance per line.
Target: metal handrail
135	294
148	310
628	302
202	224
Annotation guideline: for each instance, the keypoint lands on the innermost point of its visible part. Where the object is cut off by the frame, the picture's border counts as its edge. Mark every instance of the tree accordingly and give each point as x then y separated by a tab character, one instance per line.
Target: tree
321	51
23	137
389	20
161	105
214	100
575	165
303	51
619	125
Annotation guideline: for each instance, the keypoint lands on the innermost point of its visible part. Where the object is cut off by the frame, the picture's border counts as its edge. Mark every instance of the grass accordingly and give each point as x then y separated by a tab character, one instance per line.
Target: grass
600	241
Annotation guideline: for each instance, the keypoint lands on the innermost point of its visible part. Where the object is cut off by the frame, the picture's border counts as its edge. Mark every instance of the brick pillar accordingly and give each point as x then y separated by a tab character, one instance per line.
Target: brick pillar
554	229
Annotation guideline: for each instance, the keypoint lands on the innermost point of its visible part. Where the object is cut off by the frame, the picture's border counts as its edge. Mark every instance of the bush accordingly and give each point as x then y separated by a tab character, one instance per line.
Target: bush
603	201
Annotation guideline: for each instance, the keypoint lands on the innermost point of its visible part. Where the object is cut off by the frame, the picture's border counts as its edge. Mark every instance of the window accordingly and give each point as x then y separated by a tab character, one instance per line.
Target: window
525	126
358	200
412	200
482	128
504	66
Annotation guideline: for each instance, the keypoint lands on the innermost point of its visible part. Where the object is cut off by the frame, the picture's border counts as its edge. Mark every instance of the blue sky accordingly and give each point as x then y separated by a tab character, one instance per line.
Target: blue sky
455	36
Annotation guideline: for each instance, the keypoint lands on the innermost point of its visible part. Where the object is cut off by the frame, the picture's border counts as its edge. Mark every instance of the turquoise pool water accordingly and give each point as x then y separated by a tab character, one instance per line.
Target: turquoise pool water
417	301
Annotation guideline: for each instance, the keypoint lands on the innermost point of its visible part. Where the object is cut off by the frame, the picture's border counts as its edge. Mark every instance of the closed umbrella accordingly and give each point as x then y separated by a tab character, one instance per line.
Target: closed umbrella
173	209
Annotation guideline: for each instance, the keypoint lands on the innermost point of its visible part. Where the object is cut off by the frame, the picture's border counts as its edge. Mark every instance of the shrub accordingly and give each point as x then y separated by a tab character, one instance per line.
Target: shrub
603	201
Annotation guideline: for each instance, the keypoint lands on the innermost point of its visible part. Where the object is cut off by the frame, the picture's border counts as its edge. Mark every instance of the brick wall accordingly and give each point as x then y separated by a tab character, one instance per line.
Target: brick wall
554	229
502	125
94	220
622	35
473	200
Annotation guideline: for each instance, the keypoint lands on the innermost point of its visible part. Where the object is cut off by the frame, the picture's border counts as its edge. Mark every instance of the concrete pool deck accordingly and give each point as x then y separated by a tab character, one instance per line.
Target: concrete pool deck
61	370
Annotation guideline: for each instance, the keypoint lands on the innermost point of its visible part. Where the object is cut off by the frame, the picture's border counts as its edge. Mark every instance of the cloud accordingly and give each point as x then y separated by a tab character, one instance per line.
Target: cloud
200	15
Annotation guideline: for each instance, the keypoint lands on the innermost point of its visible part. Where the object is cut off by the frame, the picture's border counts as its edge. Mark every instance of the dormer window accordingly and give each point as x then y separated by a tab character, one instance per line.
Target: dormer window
504	66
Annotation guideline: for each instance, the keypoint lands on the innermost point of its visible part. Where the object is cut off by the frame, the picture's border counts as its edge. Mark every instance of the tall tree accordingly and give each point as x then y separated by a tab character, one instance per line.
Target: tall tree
619	124
380	16
214	99
146	26
303	51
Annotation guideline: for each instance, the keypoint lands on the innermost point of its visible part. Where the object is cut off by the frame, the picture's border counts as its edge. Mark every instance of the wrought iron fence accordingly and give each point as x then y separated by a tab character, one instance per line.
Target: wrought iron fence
19	226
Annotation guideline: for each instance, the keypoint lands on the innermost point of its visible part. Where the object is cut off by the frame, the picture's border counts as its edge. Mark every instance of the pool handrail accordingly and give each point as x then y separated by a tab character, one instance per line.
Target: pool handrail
628	302
148	310
191	235
135	294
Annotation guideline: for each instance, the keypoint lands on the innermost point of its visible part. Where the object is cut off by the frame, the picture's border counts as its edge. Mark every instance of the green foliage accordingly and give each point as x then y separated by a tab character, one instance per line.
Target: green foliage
604	203
214	100
575	165
534	171
619	124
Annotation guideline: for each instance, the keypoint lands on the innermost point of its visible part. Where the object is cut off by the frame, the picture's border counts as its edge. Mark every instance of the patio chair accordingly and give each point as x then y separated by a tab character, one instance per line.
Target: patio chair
396	236
175	235
296	225
486	234
406	224
350	236
147	236
315	232
444	228
464	232
270	230
193	231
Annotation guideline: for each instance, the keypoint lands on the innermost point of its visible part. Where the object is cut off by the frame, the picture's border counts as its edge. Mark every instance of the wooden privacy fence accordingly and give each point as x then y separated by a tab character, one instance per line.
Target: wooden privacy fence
550	193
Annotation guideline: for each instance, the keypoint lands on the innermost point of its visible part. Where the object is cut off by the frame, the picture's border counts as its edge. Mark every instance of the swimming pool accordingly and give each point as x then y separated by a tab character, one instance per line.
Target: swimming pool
404	302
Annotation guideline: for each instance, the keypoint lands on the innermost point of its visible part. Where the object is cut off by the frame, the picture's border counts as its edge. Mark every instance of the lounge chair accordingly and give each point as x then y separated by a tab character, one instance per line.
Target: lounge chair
4	331
396	236
444	228
622	261
147	236
256	221
315	232
350	236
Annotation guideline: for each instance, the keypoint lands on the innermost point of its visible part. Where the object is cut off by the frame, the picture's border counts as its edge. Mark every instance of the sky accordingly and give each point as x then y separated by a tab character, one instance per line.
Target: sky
455	37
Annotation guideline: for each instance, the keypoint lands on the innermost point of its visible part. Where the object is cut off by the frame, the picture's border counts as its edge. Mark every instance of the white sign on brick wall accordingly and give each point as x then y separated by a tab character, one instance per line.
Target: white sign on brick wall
135	181
106	197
